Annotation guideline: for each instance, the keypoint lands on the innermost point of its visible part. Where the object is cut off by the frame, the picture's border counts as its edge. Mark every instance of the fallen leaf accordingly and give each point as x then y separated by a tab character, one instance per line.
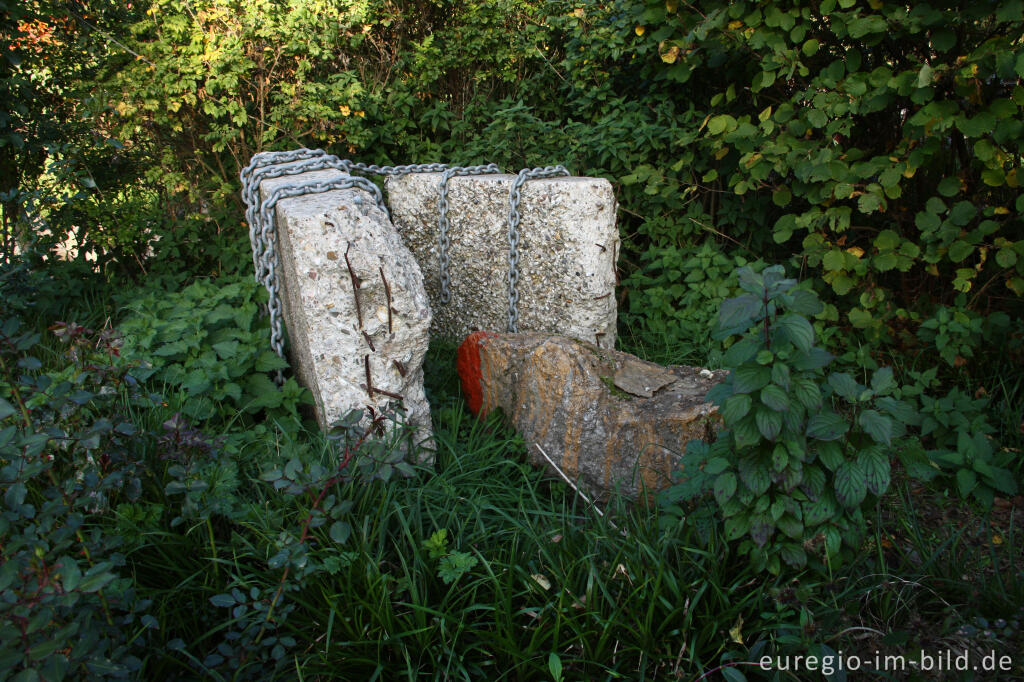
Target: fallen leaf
541	580
734	631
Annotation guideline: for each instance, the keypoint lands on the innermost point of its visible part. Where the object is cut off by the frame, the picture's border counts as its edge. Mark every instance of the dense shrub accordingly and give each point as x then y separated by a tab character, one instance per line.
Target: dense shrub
66	453
887	137
208	347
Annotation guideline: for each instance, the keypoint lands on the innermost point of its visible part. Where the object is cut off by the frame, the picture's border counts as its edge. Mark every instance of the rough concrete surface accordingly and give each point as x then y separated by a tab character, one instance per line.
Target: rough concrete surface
568	250
607	419
341	334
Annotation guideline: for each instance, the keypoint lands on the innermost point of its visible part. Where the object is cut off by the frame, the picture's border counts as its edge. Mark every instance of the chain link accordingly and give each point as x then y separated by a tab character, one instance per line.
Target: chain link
259	174
396	170
260	215
514	218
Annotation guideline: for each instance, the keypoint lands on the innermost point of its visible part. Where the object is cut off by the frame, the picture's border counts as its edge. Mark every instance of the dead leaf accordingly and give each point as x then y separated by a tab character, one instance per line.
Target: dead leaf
541	580
734	631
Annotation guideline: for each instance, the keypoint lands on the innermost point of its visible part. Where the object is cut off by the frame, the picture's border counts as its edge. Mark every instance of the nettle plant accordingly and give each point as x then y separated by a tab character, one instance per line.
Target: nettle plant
801	452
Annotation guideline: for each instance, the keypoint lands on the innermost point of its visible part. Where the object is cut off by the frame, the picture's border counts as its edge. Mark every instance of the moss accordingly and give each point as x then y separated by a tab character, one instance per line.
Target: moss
615	390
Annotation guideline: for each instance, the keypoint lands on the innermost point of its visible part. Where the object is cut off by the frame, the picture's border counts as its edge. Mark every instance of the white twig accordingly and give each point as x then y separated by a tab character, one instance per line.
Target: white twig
574	487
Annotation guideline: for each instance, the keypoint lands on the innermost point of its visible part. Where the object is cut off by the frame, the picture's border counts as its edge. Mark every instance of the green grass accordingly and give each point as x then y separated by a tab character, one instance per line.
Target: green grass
634	594
614	597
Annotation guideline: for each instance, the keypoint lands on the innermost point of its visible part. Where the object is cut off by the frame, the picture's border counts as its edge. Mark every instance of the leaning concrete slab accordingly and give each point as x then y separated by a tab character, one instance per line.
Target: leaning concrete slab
568	250
604	418
354	303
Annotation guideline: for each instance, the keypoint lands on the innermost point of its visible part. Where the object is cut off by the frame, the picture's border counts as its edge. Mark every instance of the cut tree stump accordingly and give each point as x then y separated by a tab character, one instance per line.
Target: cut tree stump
607	419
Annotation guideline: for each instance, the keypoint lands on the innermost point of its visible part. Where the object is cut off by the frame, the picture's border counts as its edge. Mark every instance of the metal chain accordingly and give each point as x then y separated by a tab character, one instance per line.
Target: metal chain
514	218
267	158
396	170
444	243
260	215
251	190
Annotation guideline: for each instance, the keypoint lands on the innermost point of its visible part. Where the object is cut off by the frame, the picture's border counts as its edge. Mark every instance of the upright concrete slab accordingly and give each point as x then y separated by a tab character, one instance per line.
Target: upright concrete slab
568	251
354	304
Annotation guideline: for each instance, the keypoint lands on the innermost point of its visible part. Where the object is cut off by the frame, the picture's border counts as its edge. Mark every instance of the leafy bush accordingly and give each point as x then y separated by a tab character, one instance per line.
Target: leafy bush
68	606
801	453
887	138
209	345
677	292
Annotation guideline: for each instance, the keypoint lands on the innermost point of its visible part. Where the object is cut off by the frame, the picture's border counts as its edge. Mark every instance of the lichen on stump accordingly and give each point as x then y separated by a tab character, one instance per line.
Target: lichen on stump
608	420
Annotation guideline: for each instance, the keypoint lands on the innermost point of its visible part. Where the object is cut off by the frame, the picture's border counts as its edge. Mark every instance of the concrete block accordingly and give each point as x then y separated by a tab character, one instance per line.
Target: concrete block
354	303
568	250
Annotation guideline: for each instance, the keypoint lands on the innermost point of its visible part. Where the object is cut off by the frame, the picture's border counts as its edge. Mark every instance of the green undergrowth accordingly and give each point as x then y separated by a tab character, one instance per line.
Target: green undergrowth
261	549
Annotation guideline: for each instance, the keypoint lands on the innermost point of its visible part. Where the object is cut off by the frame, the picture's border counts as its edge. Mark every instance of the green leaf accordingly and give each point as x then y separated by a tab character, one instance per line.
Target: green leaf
1006	258
831	454
739	312
719	124
815	358
943	39
813	483
924	76
949	187
851	484
223	600
268	361
745	432
455	565
761	529
733	674
769	422
791	527
875	465
803	302
780	375
834	260
278	560
715	465
754	474
966	481
826	426
340	532
735	408
960	250
725	487
555	666
737	526
845	386
820	511
775	398
750	378
226	350
899	410
6	409
807	393
797	330
794	555
783	228
882	381
740	352
833	541
780	457
877	426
